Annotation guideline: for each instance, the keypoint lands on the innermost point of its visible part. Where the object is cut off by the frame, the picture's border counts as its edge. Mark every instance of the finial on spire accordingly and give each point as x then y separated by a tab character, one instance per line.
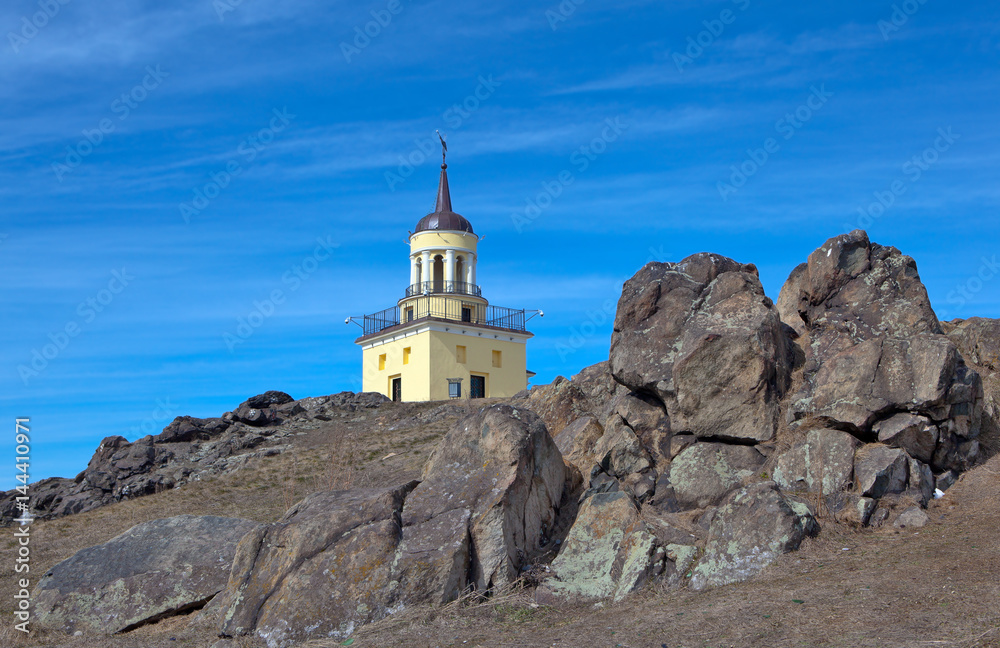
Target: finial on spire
444	150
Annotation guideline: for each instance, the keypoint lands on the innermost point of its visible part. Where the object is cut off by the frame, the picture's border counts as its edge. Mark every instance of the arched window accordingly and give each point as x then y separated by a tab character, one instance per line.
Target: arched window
460	274
438	274
419	272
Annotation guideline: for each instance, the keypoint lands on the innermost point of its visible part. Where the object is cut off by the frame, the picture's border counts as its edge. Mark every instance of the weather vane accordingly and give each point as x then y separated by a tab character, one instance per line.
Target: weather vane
444	148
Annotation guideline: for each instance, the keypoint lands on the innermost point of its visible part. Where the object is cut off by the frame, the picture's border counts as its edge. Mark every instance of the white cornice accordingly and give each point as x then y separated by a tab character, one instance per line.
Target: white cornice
454	328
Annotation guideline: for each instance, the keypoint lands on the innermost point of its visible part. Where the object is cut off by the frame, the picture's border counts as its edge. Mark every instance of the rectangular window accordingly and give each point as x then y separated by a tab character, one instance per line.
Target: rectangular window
381	362
460	354
466	314
406	355
409	314
496	359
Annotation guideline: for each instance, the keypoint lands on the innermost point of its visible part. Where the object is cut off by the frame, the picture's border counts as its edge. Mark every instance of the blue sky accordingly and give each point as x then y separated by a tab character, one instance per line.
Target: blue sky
585	139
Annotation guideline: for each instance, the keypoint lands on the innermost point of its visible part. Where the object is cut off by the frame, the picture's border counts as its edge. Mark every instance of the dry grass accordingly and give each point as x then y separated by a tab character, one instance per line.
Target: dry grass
933	587
344	452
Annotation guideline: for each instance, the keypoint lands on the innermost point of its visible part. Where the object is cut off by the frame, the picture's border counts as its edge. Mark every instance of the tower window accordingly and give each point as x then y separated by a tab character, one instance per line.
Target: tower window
497	359
381	362
466	314
438	273
406	355
409	314
460	354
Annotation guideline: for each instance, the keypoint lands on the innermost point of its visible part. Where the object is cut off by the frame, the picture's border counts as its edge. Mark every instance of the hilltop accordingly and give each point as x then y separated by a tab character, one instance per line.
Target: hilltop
819	469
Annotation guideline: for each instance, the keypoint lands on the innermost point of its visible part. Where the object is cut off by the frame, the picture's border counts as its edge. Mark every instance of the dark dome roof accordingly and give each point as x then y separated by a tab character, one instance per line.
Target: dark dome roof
443	218
448	220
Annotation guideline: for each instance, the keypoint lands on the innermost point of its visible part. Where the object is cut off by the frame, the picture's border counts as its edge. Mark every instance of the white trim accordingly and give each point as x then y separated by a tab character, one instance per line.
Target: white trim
456	328
441	248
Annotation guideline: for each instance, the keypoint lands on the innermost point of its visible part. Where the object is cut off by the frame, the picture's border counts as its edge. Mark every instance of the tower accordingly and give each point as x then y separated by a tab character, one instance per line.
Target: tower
443	339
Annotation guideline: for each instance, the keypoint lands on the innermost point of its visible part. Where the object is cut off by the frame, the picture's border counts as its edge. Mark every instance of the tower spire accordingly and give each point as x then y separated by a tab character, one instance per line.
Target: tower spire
444	194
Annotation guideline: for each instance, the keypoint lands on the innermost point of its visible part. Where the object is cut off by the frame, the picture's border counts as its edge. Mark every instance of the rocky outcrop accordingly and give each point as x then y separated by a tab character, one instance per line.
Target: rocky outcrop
152	571
719	434
847	388
487	506
703	337
188	448
978	339
874	349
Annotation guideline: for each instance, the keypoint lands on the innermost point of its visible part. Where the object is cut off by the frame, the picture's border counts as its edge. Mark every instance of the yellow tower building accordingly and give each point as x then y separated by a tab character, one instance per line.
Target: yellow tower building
443	339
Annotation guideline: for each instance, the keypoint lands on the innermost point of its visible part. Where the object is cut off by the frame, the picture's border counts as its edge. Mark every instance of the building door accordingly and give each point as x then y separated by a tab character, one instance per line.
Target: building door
477	386
397	389
466	314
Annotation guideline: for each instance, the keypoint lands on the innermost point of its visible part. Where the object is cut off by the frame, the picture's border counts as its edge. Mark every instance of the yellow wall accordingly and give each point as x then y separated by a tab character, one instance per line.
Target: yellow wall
442	240
433	362
446	306
415	375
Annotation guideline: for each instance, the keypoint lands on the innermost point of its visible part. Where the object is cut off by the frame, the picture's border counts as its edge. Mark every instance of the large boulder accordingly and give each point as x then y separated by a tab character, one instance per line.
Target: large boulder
750	530
823	462
263	409
873	349
704	473
487	506
189	428
322	569
702	336
882	376
880	470
256	416
269	399
608	553
152	571
853	289
502	470
917	435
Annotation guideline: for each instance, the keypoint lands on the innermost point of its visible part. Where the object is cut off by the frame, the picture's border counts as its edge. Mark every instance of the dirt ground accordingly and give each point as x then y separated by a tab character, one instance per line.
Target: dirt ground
937	586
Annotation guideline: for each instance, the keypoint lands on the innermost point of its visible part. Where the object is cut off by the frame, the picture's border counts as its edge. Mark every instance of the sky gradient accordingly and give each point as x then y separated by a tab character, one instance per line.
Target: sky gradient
169	169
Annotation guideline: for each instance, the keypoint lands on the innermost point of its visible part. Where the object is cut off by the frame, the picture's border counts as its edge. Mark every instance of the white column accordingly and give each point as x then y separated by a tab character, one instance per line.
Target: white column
471	272
413	269
426	272
449	267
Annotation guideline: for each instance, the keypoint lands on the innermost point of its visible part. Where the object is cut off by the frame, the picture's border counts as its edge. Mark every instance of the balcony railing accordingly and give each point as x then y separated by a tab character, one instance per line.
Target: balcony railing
445	309
450	287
